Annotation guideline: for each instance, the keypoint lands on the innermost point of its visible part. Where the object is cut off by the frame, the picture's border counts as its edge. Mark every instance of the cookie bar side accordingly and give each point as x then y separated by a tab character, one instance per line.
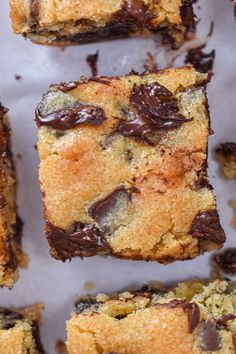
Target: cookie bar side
11	255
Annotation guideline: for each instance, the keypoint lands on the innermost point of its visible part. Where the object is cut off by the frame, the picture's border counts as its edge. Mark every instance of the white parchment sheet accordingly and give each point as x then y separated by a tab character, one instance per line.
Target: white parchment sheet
55	283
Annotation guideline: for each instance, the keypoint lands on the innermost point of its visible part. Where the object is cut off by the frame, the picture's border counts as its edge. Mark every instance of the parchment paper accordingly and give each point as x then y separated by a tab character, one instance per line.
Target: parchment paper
55	283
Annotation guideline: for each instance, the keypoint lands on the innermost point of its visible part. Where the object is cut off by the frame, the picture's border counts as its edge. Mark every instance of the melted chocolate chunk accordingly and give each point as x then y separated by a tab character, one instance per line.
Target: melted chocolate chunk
222	321
69	118
201	61
192	310
85	304
66	86
92	62
86	240
102	208
156	109
210	339
133	11
193	313
227	149
227	260
10	318
207	225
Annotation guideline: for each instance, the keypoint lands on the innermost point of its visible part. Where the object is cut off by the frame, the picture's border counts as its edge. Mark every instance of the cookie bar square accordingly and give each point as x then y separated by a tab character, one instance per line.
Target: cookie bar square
191	318
19	330
11	255
79	21
226	155
123	167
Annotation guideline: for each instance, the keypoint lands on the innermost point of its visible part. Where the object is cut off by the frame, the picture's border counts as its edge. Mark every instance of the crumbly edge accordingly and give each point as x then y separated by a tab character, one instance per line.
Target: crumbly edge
214	299
26	320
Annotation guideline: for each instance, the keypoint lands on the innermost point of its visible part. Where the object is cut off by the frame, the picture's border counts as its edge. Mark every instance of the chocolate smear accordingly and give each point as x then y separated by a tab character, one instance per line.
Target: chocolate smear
86	240
226	260
209	336
193	313
222	321
207	225
92	59
69	118
155	108
149	63
192	310
133	12
202	179
200	60
227	149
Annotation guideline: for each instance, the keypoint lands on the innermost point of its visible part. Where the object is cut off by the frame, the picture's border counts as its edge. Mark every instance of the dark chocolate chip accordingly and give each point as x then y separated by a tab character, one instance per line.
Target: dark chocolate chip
3	202
227	149
102	208
155	108
227	260
209	336
222	321
66	86
37	339
92	62
201	61
133	11
86	240
207	225
193	313
69	118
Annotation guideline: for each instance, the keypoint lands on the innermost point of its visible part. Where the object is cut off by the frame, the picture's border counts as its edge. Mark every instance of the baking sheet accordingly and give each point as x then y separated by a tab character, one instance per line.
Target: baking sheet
55	283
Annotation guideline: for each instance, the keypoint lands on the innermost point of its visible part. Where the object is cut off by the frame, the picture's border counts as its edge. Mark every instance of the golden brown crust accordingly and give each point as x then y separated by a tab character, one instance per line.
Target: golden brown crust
191	318
11	255
81	166
19	331
49	21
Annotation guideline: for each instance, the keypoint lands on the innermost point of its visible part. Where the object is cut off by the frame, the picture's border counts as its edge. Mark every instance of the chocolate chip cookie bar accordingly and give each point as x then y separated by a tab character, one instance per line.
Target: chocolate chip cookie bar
123	167
11	255
192	318
19	331
226	155
79	21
